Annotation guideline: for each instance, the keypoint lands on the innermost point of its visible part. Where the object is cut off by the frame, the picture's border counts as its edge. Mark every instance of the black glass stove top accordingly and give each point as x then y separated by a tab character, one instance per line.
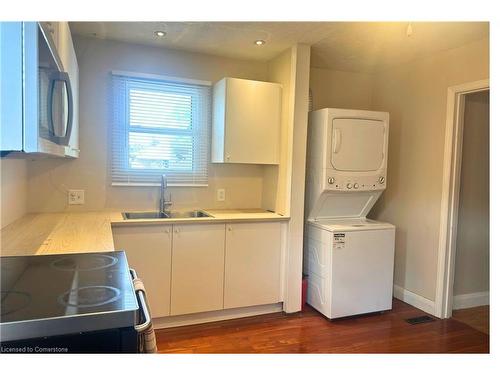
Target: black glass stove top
90	291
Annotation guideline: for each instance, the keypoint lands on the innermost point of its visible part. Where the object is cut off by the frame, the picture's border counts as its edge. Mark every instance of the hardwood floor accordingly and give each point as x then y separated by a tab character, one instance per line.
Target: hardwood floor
476	317
309	332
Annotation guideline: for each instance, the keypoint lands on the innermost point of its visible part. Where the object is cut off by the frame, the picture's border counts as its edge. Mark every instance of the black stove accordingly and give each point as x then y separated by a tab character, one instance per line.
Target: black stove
47	296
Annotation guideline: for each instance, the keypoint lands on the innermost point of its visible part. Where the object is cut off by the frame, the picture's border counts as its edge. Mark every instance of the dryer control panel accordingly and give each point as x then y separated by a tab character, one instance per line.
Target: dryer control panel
357	183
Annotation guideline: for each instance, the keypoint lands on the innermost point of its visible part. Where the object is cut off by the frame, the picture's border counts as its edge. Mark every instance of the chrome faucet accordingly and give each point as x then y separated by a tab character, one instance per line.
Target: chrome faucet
164	205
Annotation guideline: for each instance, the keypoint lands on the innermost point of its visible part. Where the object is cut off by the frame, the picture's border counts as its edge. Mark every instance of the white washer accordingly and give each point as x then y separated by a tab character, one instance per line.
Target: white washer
350	265
349	259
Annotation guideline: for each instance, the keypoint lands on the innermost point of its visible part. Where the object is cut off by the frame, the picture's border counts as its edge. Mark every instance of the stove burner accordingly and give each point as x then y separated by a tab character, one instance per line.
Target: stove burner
86	263
13	301
89	296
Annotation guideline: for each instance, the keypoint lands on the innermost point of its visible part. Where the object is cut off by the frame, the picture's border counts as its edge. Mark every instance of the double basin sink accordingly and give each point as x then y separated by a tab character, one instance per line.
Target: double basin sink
152	215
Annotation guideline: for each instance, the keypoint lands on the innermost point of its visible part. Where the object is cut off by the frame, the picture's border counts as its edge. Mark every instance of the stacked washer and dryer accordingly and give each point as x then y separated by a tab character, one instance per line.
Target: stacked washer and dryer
348	258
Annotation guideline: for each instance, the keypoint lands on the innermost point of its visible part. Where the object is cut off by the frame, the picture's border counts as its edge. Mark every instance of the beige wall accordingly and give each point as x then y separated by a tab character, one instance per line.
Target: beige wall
284	184
299	86
336	89
473	246
49	179
13	189
275	194
415	96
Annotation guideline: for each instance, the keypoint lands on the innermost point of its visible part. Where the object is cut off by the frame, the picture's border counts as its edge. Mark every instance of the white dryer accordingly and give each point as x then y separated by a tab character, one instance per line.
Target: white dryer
349	259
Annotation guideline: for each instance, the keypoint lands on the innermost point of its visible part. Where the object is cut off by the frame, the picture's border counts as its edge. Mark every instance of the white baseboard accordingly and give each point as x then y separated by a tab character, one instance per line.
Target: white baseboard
415	300
464	301
214	316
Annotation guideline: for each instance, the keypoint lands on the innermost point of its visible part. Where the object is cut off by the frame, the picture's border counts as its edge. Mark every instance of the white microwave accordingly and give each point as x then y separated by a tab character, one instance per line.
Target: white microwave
36	113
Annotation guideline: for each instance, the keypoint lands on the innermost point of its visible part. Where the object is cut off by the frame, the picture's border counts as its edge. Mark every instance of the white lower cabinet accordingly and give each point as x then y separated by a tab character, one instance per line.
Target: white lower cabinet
252	265
149	252
192	268
197	268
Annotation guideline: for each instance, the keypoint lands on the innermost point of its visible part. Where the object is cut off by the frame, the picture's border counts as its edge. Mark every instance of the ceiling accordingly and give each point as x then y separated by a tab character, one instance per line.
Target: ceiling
348	46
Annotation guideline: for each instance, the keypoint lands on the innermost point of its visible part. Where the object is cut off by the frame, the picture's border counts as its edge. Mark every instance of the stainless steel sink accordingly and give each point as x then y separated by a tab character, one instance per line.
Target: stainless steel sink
186	214
144	215
164	215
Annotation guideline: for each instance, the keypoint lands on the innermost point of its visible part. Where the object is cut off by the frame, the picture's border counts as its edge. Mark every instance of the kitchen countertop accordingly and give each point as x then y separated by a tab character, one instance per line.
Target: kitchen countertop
78	232
53	233
217	215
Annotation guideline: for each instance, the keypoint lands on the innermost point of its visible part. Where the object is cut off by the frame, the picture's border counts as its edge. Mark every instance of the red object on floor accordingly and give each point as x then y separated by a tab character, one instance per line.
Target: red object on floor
304	292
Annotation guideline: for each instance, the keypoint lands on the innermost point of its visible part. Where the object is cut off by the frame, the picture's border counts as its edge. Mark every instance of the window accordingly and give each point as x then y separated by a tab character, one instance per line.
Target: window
160	126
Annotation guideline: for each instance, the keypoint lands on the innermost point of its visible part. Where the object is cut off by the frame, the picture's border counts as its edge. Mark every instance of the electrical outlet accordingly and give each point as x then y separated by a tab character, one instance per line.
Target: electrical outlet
76	196
221	195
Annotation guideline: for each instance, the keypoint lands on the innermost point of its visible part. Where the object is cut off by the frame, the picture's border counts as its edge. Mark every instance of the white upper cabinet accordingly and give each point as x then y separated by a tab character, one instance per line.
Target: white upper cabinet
246	122
68	58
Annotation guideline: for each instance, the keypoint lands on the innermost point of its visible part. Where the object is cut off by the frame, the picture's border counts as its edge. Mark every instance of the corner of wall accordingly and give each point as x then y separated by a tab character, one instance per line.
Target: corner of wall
13	190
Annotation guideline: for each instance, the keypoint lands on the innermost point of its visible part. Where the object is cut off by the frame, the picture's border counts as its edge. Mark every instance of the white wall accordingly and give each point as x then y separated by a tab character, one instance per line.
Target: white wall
276	192
298	109
472	260
13	187
415	96
49	179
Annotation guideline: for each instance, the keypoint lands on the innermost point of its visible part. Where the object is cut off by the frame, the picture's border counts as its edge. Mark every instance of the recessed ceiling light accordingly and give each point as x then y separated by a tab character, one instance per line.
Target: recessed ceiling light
260	42
160	33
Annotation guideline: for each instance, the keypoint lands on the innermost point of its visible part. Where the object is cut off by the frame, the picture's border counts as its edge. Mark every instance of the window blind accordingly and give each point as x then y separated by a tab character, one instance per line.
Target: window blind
159	127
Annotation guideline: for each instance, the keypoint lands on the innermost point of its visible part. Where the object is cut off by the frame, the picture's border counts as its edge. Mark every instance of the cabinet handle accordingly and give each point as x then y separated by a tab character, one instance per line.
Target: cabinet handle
176	230
228	157
167	231
229	229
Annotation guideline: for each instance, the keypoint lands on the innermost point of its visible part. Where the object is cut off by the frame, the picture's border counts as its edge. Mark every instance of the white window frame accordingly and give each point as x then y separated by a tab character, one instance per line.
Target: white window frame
169	79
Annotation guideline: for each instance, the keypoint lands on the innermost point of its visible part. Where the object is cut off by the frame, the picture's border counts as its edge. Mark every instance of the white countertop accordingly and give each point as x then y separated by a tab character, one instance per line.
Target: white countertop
67	232
216	215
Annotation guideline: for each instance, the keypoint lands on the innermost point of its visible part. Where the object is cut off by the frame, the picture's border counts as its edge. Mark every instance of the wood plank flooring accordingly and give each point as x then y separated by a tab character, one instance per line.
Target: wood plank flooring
476	317
309	332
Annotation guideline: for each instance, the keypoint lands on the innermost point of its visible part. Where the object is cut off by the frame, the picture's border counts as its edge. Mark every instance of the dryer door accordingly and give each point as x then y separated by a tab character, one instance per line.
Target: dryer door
357	144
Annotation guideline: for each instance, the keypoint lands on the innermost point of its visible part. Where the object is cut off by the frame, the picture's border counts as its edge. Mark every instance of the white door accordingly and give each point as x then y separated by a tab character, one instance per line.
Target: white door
197	268
149	252
357	144
252	269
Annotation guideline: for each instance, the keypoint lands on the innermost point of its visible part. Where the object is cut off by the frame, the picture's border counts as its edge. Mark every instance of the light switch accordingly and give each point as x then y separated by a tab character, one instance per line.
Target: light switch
76	196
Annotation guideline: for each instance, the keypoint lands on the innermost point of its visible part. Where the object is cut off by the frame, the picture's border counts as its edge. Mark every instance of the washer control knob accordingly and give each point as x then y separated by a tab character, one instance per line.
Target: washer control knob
356	185
381	179
331	180
349	185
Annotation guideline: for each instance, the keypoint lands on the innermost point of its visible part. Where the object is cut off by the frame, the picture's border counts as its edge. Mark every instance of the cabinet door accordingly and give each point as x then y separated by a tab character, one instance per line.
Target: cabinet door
247	115
197	268
68	58
149	252
253	264
253	113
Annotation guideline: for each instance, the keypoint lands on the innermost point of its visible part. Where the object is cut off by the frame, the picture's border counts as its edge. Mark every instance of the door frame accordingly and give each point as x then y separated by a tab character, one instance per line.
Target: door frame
450	195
